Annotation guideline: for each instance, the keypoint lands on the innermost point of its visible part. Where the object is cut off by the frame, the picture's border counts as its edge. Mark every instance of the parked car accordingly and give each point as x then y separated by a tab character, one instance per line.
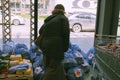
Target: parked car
15	19
82	21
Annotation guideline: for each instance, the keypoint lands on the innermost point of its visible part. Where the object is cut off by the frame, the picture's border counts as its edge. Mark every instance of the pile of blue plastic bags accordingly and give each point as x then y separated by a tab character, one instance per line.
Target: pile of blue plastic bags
76	62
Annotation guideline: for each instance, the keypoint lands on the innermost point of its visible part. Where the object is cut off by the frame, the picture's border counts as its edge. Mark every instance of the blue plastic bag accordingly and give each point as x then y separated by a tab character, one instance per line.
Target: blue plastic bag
75	73
91	55
38	73
23	67
38	61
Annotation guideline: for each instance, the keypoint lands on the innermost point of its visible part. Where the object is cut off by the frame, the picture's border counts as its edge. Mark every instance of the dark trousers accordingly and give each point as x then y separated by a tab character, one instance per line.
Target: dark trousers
53	69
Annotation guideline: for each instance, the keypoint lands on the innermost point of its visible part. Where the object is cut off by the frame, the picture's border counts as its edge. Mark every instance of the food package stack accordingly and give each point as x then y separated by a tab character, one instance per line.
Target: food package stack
15	60
19	66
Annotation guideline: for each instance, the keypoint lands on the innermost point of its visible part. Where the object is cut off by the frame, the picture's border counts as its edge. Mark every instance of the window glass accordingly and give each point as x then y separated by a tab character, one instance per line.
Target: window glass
93	16
12	5
17	5
81	34
81	31
84	16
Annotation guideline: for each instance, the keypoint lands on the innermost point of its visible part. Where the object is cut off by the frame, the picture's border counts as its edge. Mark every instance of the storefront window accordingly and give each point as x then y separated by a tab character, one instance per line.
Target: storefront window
81	34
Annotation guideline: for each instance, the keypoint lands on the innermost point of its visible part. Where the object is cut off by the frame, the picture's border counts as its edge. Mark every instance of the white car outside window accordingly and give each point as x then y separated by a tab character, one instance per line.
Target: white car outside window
15	19
82	21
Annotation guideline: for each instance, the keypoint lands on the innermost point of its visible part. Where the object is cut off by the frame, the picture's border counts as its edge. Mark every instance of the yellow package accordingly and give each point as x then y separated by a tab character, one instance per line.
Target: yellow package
19	72
26	61
28	71
13	63
16	57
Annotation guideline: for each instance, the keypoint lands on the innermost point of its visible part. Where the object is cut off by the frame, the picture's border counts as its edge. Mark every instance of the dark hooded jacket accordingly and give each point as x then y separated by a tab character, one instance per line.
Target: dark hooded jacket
56	32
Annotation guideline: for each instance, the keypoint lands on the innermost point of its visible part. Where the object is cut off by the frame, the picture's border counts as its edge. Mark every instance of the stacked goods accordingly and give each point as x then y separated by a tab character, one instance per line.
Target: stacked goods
21	61
15	59
15	62
14	65
19	66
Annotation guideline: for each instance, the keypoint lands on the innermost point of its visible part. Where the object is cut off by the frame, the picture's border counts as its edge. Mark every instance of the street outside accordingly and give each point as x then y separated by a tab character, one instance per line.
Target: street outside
21	34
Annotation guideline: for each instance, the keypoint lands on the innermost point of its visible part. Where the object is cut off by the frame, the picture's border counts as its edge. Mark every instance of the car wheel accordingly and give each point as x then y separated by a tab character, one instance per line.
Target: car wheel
16	22
77	28
86	4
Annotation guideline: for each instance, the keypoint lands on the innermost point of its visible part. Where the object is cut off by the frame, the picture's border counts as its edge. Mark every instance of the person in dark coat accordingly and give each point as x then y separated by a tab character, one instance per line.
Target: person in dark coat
55	42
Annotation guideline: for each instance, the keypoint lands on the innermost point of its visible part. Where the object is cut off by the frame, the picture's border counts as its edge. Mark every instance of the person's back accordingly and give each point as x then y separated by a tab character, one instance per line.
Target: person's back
55	36
55	42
